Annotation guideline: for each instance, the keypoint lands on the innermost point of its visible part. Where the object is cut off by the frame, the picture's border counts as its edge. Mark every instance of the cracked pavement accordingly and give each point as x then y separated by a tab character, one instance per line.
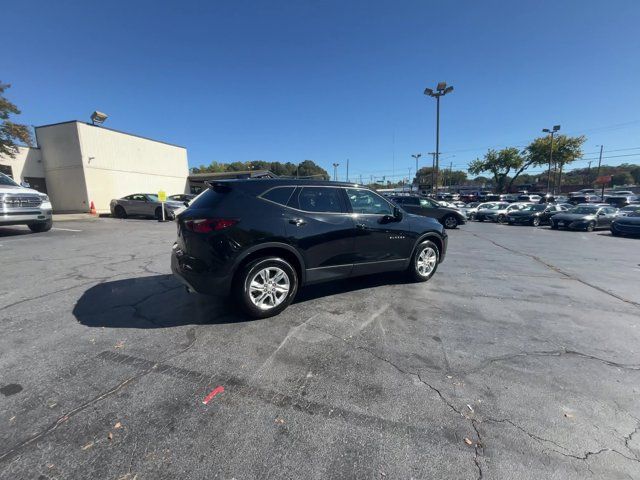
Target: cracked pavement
519	359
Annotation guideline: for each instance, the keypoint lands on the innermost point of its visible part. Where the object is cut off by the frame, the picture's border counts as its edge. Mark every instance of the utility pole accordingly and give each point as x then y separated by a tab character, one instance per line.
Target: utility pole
450	169
335	171
416	156
599	161
589	173
347	170
360	179
551	132
441	90
433	169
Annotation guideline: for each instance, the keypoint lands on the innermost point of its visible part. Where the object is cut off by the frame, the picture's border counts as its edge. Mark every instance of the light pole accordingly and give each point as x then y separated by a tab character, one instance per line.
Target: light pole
335	171
551	132
441	90
416	156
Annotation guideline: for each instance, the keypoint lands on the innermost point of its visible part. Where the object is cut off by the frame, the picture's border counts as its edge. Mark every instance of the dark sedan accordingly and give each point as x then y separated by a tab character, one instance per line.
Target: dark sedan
629	224
425	207
585	217
539	214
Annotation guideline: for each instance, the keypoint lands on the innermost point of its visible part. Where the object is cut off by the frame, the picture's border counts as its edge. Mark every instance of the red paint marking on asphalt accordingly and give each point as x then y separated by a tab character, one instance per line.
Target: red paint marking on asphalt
213	393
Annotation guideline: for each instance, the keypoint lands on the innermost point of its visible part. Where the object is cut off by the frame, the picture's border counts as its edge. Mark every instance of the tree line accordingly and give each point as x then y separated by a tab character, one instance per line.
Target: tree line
306	168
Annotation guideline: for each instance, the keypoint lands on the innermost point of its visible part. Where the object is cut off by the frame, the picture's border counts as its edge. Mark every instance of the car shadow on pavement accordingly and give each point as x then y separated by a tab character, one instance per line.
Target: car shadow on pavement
14	232
312	292
160	301
157	301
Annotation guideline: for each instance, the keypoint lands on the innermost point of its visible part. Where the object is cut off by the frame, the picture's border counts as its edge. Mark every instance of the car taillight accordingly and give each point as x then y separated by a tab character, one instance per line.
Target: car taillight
206	225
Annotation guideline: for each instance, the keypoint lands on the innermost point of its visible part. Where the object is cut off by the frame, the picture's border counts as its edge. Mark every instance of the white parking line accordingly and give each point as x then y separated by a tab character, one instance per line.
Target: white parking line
66	229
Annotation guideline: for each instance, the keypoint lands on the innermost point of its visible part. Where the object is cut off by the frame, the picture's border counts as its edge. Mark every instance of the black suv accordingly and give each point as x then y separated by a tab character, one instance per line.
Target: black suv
261	239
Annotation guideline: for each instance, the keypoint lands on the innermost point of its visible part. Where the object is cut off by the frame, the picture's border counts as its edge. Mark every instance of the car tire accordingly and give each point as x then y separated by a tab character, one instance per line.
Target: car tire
158	214
41	226
591	226
120	212
502	219
424	262
554	226
615	233
273	272
450	221
535	222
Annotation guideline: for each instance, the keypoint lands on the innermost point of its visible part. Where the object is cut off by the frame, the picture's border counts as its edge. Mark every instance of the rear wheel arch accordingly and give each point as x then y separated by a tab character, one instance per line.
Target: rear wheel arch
283	251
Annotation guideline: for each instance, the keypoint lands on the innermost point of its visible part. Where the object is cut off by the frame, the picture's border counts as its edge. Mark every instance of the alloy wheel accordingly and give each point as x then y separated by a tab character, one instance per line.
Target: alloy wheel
426	261
450	222
269	287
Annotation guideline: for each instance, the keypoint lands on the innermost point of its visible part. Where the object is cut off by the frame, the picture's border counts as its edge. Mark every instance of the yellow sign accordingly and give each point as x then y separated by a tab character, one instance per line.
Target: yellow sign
162	196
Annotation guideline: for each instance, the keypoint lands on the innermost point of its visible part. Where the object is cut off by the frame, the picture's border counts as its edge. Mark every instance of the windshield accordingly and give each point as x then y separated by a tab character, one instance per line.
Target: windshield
534	208
7	181
152	197
584	210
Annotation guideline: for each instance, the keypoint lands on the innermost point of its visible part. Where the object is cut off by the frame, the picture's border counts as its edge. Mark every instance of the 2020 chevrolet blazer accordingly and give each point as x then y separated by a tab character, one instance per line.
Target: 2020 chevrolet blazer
262	239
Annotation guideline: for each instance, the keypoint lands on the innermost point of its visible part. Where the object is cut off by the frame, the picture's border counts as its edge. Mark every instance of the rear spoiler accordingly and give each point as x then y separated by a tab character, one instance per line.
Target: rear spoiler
219	187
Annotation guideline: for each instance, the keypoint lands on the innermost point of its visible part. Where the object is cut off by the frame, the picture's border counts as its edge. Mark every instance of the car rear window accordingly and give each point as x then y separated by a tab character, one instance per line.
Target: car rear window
278	195
208	199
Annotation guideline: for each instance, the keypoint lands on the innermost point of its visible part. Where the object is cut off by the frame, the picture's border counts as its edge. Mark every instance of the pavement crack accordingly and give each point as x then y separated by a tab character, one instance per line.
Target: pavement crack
557	269
15	450
555	353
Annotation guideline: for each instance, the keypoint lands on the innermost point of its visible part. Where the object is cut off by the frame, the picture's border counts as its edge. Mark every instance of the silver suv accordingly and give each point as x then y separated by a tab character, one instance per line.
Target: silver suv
23	206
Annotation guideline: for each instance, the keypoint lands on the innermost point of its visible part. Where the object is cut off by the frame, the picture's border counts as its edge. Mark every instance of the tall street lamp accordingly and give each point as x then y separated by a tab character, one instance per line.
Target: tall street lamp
416	156
335	171
551	132
441	90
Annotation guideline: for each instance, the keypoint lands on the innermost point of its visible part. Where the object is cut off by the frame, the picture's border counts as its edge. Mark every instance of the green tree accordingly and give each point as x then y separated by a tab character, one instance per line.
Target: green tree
499	163
455	177
11	132
566	149
622	178
424	177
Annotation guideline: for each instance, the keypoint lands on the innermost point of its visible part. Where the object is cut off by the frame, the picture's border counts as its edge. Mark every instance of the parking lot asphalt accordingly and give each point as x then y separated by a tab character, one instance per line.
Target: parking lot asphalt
519	359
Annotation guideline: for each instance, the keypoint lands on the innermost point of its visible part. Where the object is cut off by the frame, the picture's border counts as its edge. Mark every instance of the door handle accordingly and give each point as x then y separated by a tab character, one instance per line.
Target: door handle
298	222
361	226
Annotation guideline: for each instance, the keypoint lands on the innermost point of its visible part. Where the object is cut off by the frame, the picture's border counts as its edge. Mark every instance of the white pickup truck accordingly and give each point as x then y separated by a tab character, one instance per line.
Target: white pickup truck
23	206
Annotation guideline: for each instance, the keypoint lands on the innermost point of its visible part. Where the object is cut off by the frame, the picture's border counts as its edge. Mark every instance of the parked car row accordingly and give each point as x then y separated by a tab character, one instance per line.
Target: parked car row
149	205
585	216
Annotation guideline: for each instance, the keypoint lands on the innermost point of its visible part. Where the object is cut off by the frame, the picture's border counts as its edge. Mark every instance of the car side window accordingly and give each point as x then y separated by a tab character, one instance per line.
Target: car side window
279	195
367	202
319	199
412	201
139	198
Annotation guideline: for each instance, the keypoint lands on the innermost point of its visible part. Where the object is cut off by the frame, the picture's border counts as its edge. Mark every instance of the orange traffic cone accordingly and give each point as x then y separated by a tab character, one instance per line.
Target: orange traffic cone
92	209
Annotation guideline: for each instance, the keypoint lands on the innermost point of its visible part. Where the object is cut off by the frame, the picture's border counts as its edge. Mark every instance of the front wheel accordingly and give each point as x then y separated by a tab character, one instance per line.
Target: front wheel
41	226
615	233
554	226
502	219
266	286
424	262
535	222
450	222
591	226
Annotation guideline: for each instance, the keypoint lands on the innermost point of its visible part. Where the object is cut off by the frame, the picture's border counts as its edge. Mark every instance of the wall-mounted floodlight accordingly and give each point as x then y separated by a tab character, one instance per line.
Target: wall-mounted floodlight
98	118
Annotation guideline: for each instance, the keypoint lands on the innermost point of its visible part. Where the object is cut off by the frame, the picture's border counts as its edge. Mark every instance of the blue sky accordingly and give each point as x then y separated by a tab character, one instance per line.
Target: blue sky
331	80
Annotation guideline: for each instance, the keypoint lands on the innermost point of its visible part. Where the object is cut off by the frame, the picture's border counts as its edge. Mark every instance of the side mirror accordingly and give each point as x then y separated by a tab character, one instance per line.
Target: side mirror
186	203
25	184
397	214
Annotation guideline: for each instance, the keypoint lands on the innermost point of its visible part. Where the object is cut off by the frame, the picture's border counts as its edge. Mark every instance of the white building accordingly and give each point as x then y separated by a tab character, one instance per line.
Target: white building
77	163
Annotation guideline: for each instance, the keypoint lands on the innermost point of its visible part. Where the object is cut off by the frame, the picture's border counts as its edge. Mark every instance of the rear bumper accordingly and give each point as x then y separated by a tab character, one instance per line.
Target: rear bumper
189	272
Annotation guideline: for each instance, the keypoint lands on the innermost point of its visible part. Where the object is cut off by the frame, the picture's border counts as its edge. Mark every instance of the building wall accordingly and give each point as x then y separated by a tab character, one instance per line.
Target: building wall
62	159
118	164
27	163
